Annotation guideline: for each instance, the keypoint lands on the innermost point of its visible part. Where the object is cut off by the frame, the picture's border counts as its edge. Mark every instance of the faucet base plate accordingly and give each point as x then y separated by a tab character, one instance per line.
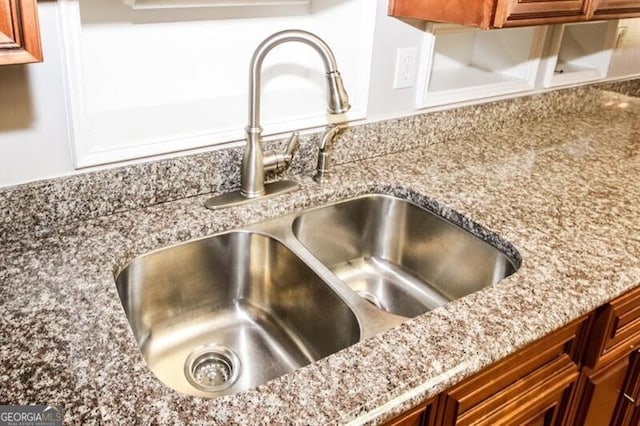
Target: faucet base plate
232	199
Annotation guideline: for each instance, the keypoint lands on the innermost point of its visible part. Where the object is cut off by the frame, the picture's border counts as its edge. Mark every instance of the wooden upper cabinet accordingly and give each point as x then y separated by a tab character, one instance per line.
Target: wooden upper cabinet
604	9
526	12
512	13
19	32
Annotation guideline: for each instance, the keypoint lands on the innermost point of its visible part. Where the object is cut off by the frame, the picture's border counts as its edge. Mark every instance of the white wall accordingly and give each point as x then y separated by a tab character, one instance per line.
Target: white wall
34	142
626	57
33	123
151	85
391	34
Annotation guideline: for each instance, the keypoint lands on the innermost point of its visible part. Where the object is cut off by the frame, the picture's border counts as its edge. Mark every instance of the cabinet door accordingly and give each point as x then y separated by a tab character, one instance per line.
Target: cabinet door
477	13
627	411
19	32
519	386
539	398
418	416
527	12
411	418
616	9
492	13
616	330
600	392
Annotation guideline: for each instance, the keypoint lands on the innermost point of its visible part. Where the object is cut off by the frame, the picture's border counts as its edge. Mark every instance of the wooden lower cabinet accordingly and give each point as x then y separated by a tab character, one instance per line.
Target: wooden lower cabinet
627	410
538	398
599	392
532	386
418	416
587	373
609	387
610	395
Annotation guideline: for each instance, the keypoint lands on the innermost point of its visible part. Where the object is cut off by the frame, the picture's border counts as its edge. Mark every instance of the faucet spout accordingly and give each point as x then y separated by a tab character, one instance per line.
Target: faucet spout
253	166
338	101
255	162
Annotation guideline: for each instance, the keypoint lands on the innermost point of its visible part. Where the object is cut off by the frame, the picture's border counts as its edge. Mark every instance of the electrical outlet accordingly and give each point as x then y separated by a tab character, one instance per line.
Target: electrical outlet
406	65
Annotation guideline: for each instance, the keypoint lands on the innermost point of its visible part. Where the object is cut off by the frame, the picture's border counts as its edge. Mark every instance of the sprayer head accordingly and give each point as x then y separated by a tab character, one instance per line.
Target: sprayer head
338	98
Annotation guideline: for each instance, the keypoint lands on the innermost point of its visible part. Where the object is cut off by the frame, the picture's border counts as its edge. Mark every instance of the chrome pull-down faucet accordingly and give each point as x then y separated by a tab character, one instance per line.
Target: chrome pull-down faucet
254	161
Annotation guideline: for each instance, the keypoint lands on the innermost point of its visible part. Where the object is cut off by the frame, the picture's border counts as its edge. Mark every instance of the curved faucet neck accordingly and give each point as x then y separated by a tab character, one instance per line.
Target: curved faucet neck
255	69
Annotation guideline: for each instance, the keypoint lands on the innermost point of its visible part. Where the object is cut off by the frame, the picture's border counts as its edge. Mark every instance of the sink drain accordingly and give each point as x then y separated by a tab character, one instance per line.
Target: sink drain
212	368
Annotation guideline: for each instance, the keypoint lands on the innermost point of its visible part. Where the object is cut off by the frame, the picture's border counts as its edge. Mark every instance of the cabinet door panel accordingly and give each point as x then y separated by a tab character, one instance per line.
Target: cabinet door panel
564	344
628	408
6	26
418	416
541	396
412	418
632	384
477	13
616	327
616	8
19	32
601	393
527	12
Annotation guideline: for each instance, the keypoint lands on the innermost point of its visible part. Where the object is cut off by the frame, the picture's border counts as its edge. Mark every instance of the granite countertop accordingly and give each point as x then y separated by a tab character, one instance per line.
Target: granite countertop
564	191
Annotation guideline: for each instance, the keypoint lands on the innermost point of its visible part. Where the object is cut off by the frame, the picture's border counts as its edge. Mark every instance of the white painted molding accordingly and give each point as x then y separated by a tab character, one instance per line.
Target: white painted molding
184	4
470	81
126	132
71	32
586	65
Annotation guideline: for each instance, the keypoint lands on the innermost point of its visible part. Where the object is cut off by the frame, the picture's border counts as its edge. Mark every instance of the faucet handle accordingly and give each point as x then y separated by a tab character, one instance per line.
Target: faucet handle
292	145
280	160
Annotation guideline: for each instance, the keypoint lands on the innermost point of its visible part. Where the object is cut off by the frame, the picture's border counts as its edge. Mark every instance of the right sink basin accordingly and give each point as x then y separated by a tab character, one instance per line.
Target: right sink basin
400	257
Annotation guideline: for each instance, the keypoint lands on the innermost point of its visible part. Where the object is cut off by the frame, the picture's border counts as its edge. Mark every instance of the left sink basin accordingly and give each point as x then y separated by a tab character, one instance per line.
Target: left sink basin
223	314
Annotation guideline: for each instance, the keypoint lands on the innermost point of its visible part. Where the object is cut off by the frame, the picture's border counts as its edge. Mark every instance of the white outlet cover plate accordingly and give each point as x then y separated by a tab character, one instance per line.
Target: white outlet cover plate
406	67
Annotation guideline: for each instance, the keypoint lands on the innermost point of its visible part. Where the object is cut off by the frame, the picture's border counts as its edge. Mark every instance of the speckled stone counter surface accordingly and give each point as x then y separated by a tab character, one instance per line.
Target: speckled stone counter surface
564	191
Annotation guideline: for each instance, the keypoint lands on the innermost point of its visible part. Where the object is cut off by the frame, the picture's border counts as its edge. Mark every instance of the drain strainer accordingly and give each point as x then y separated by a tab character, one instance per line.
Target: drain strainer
212	368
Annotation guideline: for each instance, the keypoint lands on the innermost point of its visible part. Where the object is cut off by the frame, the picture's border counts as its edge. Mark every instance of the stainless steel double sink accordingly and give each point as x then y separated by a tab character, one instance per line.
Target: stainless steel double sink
225	313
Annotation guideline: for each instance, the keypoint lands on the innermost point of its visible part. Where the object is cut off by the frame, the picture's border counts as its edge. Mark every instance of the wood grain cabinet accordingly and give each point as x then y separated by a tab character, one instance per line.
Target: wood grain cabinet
586	373
597	399
512	13
532	386
609	386
605	9
628	408
418	416
19	32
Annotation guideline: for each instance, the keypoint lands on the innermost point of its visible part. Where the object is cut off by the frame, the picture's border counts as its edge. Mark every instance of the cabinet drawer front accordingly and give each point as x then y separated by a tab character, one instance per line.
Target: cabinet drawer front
414	417
631	388
616	324
616	8
626	311
528	12
546	389
471	392
599	393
